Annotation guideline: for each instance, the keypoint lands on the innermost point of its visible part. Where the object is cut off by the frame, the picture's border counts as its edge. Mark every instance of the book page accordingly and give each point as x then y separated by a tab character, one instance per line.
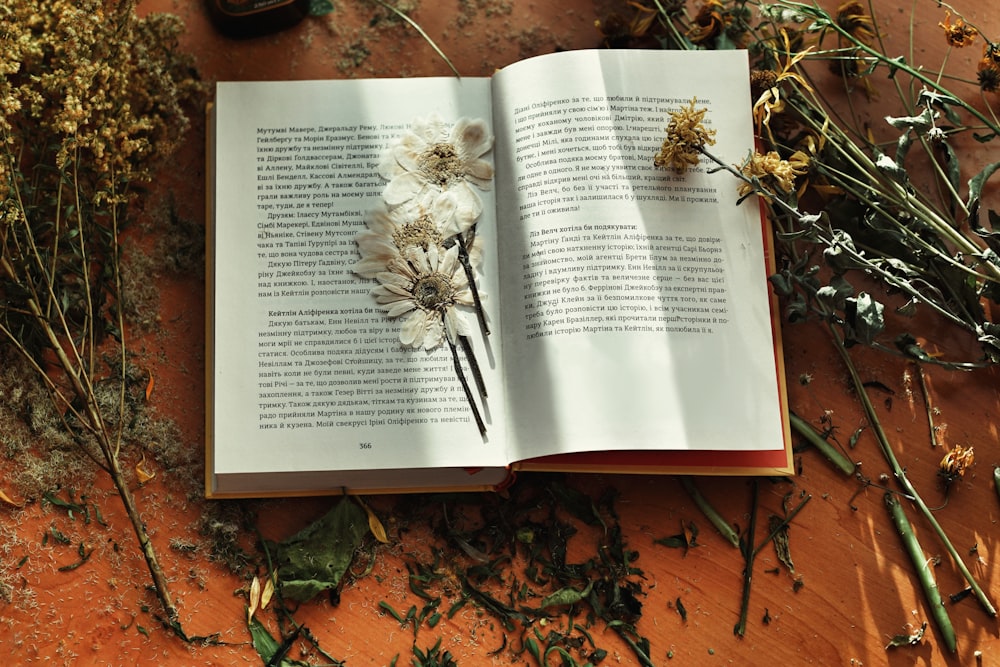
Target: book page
636	307
309	373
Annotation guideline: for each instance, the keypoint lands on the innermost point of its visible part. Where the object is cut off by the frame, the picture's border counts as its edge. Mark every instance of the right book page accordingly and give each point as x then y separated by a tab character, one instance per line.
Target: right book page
636	308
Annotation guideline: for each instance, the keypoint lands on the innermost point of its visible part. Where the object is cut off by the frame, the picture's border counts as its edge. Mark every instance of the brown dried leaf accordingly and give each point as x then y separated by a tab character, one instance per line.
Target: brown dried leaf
5	498
141	473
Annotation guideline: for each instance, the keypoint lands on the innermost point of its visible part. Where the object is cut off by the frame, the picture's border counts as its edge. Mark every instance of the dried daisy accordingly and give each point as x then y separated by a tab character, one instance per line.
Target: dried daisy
686	137
853	20
770	100
433	161
710	21
426	288
958	35
772	173
955	463
988	75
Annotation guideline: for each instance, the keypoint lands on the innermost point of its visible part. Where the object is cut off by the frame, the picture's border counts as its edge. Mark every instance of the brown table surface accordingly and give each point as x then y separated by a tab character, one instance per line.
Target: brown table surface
855	591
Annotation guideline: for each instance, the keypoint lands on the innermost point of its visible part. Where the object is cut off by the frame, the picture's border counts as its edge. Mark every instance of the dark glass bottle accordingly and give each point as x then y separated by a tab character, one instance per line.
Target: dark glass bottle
250	18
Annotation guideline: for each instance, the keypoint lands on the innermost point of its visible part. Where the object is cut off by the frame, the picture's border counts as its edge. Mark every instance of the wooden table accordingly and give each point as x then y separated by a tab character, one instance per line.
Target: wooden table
853	587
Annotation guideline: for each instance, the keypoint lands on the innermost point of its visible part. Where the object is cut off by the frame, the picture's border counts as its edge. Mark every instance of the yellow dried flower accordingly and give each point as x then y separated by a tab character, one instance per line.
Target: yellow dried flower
770	100
774	174
686	137
955	463
958	35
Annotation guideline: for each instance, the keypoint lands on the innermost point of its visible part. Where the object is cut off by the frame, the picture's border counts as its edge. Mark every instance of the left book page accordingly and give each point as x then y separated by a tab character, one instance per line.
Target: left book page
309	387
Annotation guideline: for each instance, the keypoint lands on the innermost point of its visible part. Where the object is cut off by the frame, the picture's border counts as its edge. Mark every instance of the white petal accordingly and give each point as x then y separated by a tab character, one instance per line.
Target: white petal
403	188
434	333
413	328
472	138
400	307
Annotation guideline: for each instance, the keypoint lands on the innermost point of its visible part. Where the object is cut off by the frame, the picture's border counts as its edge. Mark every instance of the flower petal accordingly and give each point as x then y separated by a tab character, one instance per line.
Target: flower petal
413	329
403	188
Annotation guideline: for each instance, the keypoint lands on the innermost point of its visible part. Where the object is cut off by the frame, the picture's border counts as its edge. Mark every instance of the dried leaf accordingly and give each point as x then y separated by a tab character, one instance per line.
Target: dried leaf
5	498
140	471
149	386
374	524
267	593
254	599
314	559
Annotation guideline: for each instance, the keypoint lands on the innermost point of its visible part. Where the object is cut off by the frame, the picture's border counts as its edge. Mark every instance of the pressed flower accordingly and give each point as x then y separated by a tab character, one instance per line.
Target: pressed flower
434	160
390	233
686	137
770	100
709	22
773	173
958	35
426	288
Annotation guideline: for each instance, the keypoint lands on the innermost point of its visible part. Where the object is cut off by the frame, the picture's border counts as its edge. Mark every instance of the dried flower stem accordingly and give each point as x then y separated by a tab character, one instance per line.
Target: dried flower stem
710	512
749	555
922	565
465	387
463	257
802	427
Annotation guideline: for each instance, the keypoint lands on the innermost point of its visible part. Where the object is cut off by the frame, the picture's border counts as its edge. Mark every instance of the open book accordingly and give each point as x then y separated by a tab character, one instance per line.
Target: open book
633	329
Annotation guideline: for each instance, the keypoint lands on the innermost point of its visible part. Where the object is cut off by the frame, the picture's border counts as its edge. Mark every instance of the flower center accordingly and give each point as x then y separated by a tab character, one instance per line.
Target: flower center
442	164
433	292
421	233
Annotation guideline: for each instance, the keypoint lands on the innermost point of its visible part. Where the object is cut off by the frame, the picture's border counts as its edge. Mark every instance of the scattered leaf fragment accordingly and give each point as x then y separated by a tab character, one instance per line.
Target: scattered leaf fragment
374	524
907	640
140	471
254	598
314	559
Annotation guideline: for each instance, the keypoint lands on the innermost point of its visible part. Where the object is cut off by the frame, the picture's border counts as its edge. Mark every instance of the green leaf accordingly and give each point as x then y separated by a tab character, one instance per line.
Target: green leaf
314	559
566	596
265	645
976	184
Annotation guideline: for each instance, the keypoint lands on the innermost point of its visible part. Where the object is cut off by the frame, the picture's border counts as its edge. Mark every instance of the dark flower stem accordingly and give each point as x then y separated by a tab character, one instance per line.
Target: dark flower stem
477	374
465	387
749	555
470	274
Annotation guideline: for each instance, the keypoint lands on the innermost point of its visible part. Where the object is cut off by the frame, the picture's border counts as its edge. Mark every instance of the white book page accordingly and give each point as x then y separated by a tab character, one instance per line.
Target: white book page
309	373
636	309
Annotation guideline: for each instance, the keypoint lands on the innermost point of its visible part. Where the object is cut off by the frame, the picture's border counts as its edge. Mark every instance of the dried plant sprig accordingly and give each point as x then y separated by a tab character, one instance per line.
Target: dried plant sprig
92	100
